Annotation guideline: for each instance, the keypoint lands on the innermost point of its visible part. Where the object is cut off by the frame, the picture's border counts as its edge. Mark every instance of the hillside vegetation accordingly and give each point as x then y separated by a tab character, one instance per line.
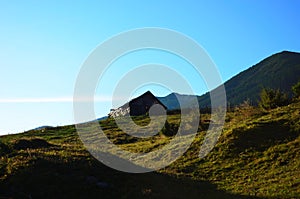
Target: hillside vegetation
257	156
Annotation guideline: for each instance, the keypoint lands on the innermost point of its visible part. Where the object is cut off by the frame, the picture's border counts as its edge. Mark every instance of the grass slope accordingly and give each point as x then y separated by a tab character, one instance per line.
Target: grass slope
257	156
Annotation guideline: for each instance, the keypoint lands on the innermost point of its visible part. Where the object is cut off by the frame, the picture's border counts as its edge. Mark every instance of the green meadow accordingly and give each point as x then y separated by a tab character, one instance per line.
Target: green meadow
256	156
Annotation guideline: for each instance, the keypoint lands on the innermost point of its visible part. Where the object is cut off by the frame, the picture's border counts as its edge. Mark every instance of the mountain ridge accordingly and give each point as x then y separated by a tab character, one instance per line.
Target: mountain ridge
278	71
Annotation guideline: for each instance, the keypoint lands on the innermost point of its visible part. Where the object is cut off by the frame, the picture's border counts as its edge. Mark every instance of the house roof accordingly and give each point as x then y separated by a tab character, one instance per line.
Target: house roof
146	95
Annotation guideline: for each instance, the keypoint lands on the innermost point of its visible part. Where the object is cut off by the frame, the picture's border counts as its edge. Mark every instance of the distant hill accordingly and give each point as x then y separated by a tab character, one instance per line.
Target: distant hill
42	127
279	71
171	102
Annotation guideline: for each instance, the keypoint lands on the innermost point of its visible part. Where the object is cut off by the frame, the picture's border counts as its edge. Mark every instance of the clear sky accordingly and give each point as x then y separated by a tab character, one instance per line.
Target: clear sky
44	43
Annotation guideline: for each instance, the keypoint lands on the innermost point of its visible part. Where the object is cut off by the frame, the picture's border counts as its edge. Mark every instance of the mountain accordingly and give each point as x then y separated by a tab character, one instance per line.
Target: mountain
171	102
279	71
102	118
257	155
42	127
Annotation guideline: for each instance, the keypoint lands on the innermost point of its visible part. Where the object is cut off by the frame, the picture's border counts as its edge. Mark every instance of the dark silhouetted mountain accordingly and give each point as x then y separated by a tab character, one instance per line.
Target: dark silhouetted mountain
279	71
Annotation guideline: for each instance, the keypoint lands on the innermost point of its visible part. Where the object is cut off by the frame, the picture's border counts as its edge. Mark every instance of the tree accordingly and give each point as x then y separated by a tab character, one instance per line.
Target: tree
296	89
270	98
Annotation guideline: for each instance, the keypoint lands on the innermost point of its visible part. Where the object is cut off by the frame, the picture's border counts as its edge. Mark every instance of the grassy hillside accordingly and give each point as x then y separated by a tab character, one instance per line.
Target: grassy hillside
257	156
271	72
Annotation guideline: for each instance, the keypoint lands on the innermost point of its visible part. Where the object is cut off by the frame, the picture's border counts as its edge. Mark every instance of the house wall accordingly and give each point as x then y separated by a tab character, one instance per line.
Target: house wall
141	106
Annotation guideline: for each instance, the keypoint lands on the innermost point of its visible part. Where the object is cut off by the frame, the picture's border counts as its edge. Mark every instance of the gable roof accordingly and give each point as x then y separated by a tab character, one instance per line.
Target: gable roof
146	95
138	105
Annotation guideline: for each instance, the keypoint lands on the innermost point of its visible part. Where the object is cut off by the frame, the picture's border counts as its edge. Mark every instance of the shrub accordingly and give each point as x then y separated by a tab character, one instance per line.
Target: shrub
296	90
270	98
35	143
169	129
4	149
245	109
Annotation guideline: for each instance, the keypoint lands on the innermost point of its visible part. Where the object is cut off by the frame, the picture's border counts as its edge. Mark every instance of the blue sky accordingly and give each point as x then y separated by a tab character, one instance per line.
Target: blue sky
44	43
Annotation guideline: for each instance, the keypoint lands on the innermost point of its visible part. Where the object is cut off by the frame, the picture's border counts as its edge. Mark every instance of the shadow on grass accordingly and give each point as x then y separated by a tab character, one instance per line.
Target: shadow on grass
91	179
263	136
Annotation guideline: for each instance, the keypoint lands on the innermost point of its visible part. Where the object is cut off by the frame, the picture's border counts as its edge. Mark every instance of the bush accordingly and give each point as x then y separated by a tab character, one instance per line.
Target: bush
169	129
35	143
4	149
296	90
245	109
270	98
